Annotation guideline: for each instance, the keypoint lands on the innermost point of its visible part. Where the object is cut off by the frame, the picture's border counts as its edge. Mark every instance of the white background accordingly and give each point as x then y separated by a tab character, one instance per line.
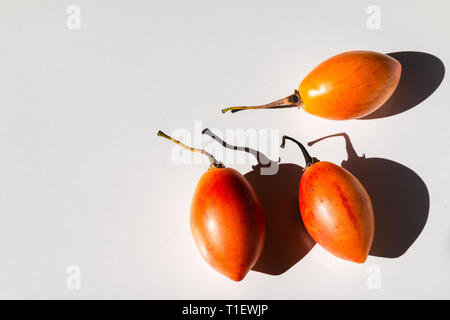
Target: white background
85	181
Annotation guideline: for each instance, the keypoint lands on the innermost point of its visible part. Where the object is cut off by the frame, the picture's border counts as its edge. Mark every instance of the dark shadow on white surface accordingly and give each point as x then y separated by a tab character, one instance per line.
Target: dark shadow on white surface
287	240
422	73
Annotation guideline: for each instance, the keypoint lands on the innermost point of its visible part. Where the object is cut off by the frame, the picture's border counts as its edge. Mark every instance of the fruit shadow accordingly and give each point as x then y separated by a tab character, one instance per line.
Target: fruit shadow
422	73
400	200
276	186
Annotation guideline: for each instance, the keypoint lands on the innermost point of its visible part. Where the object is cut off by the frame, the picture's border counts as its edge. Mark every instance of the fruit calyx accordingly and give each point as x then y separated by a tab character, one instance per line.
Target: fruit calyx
308	159
212	160
291	101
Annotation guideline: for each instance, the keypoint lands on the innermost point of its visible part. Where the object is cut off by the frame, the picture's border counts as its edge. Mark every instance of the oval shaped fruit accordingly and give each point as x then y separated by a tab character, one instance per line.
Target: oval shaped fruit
227	222
337	211
347	86
335	208
400	199
227	219
350	85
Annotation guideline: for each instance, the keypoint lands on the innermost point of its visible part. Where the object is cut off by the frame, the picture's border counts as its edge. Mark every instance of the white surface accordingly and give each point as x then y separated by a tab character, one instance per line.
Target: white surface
84	180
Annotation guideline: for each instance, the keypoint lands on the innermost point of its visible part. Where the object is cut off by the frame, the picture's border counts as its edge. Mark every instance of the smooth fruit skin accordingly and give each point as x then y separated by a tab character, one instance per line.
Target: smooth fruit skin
337	211
227	222
350	85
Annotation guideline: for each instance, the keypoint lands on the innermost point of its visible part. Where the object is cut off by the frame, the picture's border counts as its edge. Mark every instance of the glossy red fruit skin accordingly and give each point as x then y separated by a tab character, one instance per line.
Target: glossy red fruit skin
337	211
350	85
227	222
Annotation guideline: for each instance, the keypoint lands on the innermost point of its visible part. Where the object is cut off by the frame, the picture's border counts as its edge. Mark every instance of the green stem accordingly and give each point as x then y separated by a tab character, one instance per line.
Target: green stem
211	158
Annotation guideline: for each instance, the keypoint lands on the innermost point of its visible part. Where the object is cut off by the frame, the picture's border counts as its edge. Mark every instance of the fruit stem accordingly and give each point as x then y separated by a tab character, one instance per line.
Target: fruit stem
308	159
211	158
289	102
